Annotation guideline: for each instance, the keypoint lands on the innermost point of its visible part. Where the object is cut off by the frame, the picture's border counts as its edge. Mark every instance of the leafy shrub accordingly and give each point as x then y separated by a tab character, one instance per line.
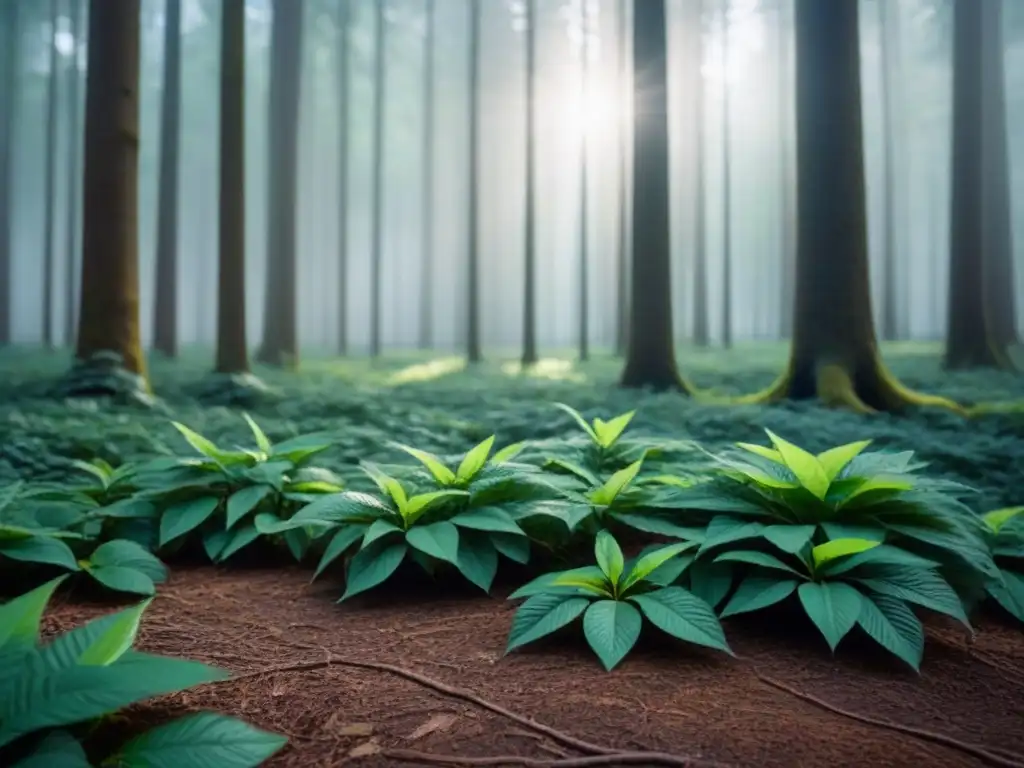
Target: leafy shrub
1005	536
613	597
91	672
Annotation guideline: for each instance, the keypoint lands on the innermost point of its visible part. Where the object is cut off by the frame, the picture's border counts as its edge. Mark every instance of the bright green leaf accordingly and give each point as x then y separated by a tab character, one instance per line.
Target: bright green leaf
578	417
832	550
616	484
804	465
21	617
997	518
508	453
418	505
608	433
650	562
834	460
262	441
434	465
609	556
474	461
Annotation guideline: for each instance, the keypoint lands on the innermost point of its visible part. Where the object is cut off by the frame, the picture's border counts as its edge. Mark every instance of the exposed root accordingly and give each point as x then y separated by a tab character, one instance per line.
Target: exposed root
617	758
1003	760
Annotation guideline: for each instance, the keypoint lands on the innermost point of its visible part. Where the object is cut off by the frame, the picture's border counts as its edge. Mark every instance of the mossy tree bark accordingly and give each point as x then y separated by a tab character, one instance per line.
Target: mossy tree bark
344	75
650	357
280	346
834	353
969	340
474	351
232	349
530	226
165	317
49	180
109	303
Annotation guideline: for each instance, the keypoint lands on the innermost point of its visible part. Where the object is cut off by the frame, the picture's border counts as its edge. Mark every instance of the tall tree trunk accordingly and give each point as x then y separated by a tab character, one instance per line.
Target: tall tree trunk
787	185
377	230
530	228
280	345
165	318
232	345
622	246
109	305
584	223
474	351
888	25
49	180
834	352
726	187
1000	282
10	103
701	331
426	335
72	226
969	341
650	358
344	96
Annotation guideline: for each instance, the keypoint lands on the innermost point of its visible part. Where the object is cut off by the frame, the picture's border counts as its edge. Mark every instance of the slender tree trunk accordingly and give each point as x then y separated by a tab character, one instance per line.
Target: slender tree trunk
10	78
344	96
280	332
474	352
726	188
787	202
377	231
109	304
49	179
584	222
701	331
426	335
232	345
72	227
969	341
650	359
889	36
165	318
530	229
622	247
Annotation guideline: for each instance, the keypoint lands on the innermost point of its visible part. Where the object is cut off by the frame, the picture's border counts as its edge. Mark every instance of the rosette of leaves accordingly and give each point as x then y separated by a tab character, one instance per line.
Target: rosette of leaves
613	597
432	528
219	493
793	498
97	672
1005	537
845	583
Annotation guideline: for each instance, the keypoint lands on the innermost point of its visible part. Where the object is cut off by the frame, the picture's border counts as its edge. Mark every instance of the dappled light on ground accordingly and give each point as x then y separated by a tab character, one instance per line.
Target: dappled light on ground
434	369
550	368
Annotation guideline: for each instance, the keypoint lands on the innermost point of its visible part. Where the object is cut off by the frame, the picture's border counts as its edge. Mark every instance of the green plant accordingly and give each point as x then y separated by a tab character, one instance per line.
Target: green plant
1005	536
613	598
47	691
845	583
431	528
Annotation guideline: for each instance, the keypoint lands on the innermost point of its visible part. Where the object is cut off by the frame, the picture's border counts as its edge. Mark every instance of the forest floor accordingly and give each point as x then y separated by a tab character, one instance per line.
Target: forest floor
419	666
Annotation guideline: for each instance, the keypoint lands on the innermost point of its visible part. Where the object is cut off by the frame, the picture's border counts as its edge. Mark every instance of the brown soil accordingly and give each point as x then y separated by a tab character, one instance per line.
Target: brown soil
393	680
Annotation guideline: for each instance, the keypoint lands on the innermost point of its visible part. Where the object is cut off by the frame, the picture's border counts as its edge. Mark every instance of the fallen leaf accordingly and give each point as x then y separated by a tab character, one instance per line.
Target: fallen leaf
366	749
439	722
356	729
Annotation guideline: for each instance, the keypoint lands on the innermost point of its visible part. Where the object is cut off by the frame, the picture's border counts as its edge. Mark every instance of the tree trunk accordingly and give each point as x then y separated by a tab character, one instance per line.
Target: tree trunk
650	358
701	331
344	95
787	202
474	352
1000	281
726	188
49	180
109	305
530	229
280	345
10	78
72	226
888	18
584	338
165	318
377	230
622	247
232	346
426	335
969	341
834	353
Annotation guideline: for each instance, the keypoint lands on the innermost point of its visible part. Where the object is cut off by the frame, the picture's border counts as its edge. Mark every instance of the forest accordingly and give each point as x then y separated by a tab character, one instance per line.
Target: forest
547	383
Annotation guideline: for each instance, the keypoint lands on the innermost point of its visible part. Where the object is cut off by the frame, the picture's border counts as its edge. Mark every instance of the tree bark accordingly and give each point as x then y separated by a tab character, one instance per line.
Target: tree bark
377	228
232	344
530	221
622	247
280	345
344	96
787	185
49	180
650	358
109	305
584	223
10	61
165	318
72	228
888	19
474	352
701	331
726	188
426	334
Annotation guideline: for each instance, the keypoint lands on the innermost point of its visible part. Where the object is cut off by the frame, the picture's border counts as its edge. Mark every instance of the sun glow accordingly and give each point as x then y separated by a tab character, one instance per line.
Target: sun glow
745	37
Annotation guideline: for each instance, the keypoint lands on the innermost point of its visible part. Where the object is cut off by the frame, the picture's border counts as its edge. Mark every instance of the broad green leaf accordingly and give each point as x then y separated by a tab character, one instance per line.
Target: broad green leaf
710	580
44	550
879	483
762	451
789	538
609	556
129	554
241	537
298	541
474	461
572	468
676	612
420	504
849	531
214	543
439	540
98	472
922	587
345	507
726	530
377	529
340	542
881	555
245	500
835	460
997	518
649	523
753	557
1009	593
21	617
832	606
544	582
58	749
200	740
614	485
757	592
578	418
508	453
396	491
515	548
612	629
647	564
804	465
477	559
492	519
373	565
892	625
262	441
541	615
666	574
434	465
109	637
184	517
609	432
123	579
204	446
824	554
595	585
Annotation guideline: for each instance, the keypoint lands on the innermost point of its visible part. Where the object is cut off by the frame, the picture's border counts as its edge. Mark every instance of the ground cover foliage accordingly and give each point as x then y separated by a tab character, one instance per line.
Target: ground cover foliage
369	470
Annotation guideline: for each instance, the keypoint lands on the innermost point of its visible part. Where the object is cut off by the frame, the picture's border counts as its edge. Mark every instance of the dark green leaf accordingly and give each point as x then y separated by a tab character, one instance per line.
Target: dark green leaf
543	614
710	580
58	749
123	579
832	606
373	565
21	617
44	550
789	538
240	538
892	624
919	586
612	628
340	542
477	558
757	592
185	517
440	540
245	500
515	548
675	611
488	519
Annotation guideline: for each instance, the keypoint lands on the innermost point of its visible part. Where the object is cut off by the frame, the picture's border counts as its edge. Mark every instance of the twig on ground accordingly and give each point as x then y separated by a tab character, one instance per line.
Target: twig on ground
616	758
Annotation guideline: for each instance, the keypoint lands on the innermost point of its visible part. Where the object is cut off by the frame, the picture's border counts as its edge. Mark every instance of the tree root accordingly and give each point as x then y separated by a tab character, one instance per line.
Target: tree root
1005	760
616	758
